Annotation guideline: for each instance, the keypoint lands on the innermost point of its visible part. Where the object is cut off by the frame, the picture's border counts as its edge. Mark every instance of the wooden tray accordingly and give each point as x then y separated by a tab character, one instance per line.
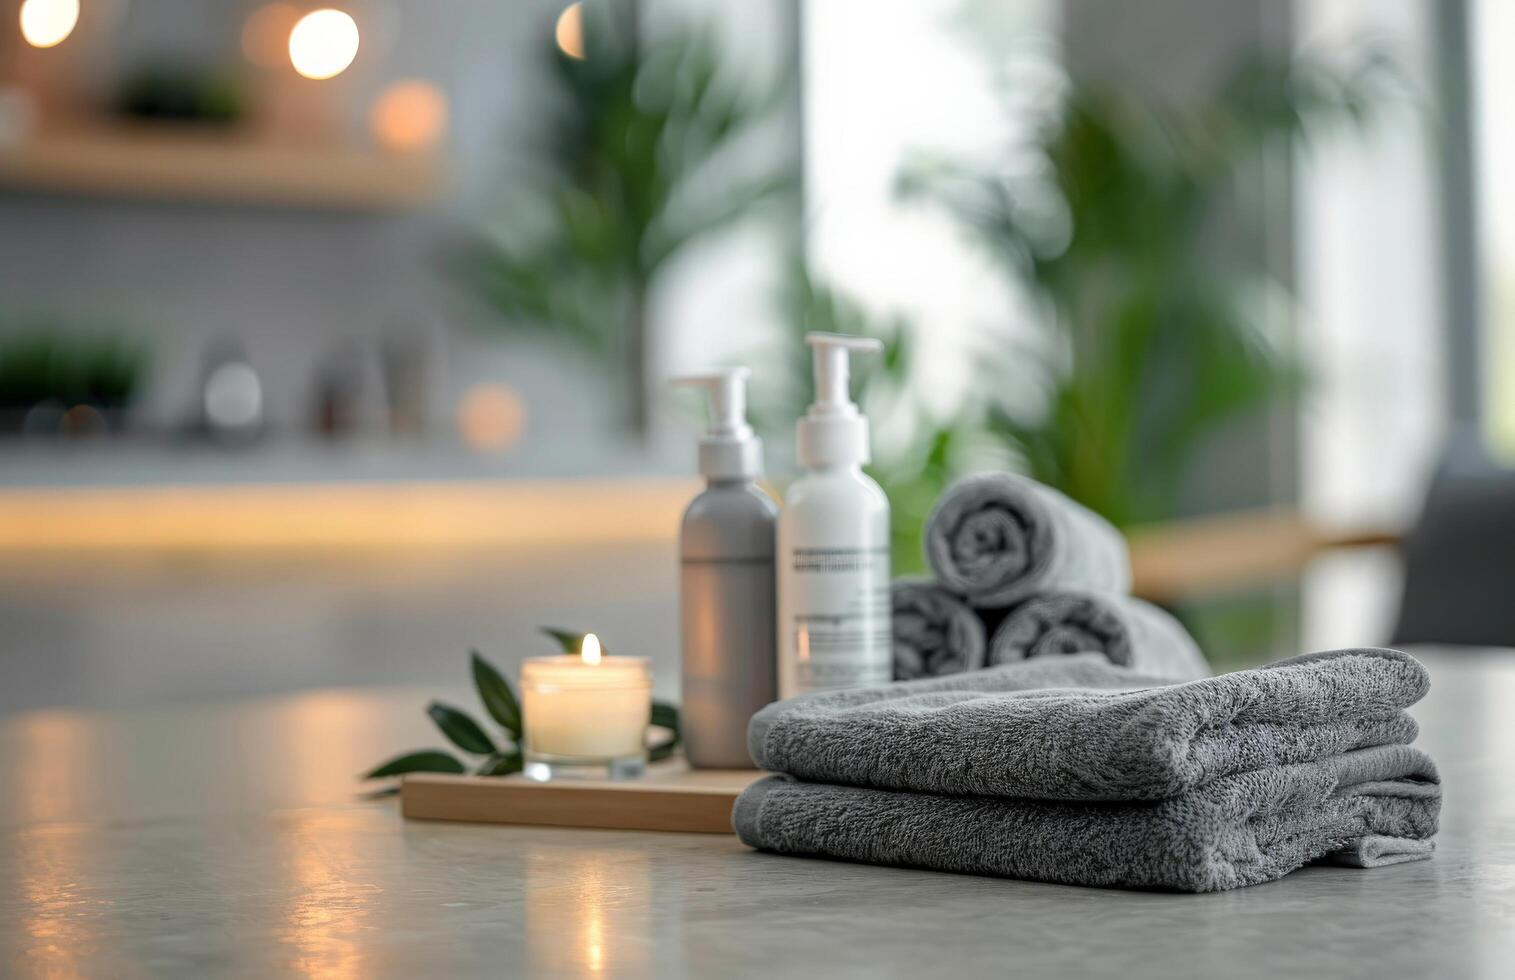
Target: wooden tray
670	797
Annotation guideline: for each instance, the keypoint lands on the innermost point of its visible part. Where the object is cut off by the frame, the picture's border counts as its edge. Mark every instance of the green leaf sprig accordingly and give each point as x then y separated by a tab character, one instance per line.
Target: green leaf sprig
503	756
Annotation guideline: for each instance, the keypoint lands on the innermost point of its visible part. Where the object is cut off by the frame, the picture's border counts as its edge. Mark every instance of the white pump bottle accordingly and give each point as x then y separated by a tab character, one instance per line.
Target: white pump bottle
833	542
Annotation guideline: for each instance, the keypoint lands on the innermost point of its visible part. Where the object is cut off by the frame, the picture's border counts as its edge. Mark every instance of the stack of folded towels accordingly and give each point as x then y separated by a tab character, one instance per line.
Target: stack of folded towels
1047	725
1073	769
1022	572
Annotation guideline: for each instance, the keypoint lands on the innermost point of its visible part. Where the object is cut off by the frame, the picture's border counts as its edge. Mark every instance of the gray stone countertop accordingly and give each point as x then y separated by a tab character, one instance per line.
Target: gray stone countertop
225	839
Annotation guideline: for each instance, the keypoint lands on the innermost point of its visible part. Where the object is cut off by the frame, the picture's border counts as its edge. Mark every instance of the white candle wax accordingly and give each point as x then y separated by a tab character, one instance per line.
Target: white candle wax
576	708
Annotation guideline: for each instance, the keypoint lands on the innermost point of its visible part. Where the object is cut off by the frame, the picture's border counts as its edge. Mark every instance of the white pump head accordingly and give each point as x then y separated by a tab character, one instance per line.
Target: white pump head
834	433
730	450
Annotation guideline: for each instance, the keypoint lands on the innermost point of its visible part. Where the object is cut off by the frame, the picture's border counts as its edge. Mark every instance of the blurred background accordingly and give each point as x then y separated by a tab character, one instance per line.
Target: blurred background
334	338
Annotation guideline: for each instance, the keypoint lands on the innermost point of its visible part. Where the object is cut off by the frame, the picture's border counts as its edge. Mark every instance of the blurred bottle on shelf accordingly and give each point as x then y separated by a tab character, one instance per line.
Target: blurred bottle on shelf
349	392
407	361
231	409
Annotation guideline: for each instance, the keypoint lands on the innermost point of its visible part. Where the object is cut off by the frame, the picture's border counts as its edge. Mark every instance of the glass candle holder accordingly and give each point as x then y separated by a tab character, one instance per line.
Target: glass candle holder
585	718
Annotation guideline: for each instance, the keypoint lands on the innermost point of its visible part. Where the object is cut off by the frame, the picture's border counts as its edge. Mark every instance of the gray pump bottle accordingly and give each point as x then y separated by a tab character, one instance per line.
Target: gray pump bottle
726	590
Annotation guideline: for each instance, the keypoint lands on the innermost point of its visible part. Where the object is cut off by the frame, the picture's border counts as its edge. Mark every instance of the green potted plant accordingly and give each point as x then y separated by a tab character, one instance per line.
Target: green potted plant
647	145
51	368
1154	337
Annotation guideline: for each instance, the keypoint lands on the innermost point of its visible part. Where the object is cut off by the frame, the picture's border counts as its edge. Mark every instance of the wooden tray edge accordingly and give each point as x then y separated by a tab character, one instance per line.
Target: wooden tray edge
668	804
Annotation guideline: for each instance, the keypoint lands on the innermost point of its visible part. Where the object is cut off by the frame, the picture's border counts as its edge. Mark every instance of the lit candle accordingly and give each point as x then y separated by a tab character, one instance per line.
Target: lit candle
588	710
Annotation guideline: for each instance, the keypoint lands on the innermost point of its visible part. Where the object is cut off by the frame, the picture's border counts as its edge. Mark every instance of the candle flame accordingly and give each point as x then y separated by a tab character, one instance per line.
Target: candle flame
589	649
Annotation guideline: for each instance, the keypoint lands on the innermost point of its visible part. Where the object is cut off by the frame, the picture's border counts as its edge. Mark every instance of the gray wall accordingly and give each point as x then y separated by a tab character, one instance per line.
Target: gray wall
288	284
291	284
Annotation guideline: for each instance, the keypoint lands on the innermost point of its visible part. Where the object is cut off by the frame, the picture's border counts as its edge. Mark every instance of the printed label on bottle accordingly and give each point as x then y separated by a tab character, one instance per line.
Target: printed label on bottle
839	618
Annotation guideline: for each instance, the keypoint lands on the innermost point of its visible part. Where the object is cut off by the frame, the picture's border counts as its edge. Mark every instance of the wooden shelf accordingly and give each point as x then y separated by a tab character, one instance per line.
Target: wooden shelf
1229	552
227	168
343	516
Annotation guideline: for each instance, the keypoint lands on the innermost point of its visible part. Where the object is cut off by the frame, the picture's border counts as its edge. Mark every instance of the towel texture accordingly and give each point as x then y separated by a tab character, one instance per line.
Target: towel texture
1367	807
1072	769
934	632
1129	632
1072	728
996	538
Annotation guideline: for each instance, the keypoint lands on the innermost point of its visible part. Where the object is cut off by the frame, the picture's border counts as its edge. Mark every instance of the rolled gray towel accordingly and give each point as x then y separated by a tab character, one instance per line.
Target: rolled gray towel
1365	808
996	538
934	632
1081	728
1129	632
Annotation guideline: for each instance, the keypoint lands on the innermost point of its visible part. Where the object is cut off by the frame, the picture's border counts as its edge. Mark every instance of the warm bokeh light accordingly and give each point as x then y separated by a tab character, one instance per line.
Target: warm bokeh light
570	31
45	23
265	36
491	417
323	43
589	649
409	116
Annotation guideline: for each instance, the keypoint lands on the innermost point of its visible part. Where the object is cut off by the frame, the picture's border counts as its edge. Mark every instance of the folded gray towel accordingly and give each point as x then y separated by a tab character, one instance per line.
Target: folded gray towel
1073	728
1130	632
1368	807
997	537
934	632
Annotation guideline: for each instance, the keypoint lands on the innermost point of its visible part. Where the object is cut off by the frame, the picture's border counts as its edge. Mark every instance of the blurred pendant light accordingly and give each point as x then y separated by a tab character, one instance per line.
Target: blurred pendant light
323	43
570	31
45	23
409	116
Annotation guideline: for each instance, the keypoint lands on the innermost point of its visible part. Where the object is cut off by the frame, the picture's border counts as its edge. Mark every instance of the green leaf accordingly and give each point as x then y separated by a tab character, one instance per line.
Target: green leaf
567	639
662	750
501	764
460	729
664	715
427	760
499	700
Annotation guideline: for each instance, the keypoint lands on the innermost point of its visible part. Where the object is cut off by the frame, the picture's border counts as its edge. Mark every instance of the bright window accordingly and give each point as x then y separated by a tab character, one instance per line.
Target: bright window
1493	44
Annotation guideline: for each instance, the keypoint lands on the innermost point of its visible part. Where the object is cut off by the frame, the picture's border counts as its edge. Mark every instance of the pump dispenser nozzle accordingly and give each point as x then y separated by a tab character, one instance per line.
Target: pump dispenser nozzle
730	450
833	370
833	432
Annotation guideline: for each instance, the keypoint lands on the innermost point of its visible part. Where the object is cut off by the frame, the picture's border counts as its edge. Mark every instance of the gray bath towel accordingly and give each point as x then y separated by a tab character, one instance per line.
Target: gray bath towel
1369	807
934	632
1130	632
997	537
1073	728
